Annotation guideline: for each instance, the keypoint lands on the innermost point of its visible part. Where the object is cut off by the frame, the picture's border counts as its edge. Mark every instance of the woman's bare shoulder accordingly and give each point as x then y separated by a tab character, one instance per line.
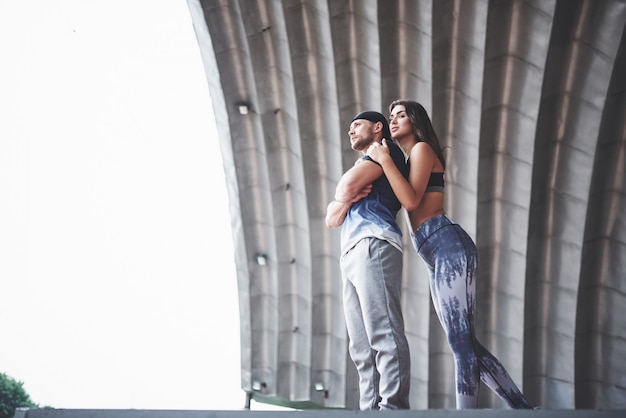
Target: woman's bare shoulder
423	154
422	150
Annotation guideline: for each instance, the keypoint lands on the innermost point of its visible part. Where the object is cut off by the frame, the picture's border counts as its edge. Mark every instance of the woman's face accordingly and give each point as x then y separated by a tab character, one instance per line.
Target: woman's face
399	123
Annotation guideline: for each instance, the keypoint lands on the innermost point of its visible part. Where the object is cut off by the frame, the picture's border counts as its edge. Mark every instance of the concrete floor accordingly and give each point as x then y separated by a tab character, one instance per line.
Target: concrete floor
326	413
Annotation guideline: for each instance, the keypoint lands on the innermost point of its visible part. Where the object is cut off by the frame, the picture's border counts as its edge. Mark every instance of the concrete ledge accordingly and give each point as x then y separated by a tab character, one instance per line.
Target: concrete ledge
321	413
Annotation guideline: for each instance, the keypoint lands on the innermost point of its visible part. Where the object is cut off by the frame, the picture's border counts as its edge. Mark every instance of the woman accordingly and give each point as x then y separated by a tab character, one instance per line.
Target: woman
448	251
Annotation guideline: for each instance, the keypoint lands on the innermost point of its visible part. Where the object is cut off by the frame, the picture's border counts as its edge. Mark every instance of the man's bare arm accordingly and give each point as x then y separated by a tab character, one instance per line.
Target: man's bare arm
354	185
356	178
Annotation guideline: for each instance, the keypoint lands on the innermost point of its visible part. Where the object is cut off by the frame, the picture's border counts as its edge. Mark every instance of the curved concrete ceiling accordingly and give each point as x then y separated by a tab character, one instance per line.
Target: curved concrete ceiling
530	96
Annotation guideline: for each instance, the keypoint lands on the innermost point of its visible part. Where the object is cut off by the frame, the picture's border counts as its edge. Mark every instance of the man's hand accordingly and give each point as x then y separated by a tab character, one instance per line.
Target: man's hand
363	193
336	213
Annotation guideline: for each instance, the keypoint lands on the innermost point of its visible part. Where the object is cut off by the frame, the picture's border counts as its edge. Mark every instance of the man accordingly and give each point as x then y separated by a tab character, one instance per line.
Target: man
371	266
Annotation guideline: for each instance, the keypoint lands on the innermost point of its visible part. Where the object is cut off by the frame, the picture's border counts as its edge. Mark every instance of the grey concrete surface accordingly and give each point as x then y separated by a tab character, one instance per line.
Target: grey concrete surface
326	413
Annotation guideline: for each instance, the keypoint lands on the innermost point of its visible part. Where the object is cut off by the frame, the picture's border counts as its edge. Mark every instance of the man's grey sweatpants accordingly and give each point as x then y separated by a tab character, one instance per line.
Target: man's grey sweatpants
372	285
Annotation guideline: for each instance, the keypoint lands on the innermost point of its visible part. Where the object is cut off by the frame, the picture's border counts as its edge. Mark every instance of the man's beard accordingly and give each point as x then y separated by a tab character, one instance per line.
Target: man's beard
362	143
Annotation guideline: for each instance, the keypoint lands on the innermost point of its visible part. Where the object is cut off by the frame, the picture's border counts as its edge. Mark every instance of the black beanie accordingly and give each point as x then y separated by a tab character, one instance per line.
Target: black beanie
375	117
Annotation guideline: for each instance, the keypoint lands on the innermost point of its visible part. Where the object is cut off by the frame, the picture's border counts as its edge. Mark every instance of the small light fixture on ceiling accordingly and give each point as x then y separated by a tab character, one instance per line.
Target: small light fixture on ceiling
243	107
261	259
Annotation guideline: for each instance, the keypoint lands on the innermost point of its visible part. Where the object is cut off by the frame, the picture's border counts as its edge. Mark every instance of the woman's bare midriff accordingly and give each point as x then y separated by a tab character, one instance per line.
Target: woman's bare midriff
432	205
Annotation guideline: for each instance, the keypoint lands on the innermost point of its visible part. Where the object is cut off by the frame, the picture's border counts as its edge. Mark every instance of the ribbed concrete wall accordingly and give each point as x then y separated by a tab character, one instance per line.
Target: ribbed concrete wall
528	95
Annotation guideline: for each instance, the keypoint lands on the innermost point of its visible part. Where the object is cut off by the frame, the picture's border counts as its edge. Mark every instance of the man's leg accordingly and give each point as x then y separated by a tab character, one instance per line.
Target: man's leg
378	282
362	355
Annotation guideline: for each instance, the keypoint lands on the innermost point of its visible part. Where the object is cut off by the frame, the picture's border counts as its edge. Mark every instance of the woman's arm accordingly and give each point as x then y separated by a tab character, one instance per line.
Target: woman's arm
411	192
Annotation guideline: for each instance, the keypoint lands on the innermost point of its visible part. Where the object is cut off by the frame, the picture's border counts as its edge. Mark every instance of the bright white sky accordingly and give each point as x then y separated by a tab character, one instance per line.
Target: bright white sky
117	276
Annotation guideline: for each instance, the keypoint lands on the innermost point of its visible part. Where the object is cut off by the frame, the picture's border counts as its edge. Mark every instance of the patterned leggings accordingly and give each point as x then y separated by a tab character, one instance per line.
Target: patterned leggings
452	260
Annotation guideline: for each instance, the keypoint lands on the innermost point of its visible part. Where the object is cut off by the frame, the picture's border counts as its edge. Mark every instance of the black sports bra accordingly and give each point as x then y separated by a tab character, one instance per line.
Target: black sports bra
435	183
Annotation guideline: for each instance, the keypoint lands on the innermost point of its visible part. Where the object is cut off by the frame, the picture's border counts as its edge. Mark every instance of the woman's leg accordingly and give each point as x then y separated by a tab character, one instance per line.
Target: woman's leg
453	292
495	376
